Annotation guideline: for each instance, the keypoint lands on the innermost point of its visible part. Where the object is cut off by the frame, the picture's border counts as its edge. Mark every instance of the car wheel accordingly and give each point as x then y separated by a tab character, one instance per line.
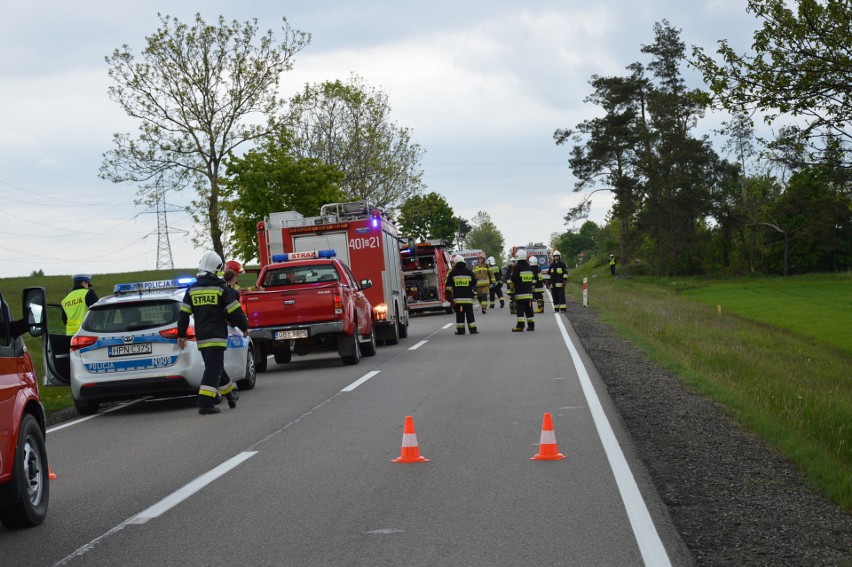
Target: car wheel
394	328
260	360
355	357
369	349
86	408
31	478
250	379
403	329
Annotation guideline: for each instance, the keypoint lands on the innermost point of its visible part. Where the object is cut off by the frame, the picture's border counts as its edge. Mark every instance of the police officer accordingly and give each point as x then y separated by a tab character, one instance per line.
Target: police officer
213	306
558	279
484	281
612	264
461	284
497	287
524	281
77	303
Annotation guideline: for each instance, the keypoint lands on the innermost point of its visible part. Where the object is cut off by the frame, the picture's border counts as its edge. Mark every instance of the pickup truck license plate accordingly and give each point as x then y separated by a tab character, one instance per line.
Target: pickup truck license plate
127	350
294	334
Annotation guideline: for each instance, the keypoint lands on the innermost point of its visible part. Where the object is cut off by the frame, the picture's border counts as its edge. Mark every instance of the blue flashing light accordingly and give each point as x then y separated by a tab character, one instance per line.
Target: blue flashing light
327	253
310	255
375	217
156	285
280	257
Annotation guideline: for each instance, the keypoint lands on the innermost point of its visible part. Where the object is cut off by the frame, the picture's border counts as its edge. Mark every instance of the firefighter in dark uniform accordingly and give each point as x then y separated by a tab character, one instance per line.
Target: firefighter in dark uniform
510	287
77	303
461	283
558	279
524	281
538	289
497	288
213	306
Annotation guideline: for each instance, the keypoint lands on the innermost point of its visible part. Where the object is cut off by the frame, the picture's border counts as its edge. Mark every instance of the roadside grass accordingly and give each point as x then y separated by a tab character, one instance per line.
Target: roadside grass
778	356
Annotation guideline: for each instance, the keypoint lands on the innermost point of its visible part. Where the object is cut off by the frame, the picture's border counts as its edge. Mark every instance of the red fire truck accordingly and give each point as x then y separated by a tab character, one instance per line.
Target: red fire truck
364	238
425	266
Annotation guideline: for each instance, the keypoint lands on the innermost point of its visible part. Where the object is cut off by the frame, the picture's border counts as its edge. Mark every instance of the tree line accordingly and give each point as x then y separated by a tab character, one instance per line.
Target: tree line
773	206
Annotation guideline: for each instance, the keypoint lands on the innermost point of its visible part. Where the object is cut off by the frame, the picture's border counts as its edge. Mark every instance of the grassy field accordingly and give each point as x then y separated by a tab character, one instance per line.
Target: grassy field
776	352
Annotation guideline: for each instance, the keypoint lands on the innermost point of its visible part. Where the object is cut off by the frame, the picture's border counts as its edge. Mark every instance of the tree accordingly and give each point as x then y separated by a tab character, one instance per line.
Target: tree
800	68
271	179
485	236
348	125
426	217
198	93
463	228
571	243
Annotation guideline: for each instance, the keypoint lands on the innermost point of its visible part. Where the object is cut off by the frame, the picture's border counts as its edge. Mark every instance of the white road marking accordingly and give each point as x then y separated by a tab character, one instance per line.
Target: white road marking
448	325
418	345
165	504
360	381
650	545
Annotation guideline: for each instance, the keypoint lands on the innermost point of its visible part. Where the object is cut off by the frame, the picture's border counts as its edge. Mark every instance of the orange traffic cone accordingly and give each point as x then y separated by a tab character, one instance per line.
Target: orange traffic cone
547	449
410	452
50	474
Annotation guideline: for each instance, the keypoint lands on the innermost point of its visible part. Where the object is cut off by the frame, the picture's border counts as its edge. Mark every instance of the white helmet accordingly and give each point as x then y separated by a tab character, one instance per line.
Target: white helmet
533	261
521	254
556	253
458	259
491	261
210	263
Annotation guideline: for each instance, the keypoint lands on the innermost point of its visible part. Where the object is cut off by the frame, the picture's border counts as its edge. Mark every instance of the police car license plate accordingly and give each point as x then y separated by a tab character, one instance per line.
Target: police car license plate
127	350
294	334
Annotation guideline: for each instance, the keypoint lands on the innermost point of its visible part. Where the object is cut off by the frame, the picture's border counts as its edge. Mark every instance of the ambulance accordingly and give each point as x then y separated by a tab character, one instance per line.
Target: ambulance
363	237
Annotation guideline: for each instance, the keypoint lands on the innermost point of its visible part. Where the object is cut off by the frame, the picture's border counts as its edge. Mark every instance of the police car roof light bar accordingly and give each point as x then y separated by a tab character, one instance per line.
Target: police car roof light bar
157	285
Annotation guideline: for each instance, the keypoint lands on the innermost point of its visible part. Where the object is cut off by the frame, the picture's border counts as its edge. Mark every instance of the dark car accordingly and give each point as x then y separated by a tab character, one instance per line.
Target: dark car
24	473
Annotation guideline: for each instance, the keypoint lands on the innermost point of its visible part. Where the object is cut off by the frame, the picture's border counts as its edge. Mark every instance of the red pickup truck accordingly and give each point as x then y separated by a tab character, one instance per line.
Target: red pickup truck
309	301
24	472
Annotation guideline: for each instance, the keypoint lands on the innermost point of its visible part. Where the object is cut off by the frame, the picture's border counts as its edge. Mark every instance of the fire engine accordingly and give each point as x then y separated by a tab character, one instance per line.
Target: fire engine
425	266
364	238
542	254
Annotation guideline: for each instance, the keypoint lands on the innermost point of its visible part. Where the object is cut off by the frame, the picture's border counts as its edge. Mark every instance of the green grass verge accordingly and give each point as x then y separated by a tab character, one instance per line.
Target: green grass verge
777	355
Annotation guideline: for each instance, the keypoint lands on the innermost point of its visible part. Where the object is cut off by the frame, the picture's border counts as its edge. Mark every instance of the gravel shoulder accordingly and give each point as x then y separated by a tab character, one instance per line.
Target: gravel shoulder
733	499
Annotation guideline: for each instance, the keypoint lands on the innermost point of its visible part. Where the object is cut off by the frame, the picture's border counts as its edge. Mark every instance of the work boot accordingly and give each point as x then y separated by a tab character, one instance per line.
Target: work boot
459	331
517	329
232	396
206	411
218	399
530	326
502	304
491	305
473	331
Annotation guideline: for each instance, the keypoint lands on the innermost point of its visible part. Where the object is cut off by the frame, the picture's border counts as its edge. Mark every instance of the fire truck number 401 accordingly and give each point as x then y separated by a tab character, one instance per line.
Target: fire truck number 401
362	243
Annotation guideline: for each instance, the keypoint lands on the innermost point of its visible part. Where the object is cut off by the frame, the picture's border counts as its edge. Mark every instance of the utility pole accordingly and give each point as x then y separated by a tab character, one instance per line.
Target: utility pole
164	246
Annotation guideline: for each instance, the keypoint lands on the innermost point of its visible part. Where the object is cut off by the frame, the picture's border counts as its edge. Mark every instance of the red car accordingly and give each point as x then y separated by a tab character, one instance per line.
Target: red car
24	473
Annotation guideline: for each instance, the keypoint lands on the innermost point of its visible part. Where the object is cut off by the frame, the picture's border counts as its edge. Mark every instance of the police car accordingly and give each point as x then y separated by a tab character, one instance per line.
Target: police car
127	348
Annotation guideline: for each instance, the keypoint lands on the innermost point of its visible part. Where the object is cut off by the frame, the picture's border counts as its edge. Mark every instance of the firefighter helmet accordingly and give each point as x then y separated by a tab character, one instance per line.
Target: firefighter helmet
236	266
521	254
458	259
556	253
491	261
210	263
533	261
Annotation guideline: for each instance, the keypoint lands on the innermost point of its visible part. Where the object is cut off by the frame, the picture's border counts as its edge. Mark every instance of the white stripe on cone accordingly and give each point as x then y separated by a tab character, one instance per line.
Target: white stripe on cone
409	440
547	437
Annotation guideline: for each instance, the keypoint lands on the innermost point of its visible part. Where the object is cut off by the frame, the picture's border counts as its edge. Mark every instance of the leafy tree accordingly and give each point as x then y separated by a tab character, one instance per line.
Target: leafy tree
198	92
485	236
348	125
271	179
800	68
427	217
570	243
463	228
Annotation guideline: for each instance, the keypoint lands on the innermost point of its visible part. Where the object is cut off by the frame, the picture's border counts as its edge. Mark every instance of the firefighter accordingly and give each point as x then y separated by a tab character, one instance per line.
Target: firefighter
524	281
612	264
461	285
238	270
558	279
497	287
77	303
510	287
538	290
213	306
484	281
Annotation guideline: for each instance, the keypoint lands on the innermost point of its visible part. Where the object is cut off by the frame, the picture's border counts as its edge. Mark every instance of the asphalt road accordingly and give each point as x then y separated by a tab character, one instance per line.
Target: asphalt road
300	473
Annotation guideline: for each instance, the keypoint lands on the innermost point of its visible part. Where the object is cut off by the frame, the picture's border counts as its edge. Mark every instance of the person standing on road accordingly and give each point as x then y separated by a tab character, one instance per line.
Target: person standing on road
510	286
214	306
558	279
77	303
497	287
461	285
484	281
524	281
538	288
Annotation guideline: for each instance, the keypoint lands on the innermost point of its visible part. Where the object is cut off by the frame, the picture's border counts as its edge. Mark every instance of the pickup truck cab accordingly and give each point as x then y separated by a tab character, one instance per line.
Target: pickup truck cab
24	472
308	301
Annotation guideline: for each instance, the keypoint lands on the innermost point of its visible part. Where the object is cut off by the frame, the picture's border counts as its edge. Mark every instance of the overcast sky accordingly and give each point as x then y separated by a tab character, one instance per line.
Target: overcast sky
482	84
